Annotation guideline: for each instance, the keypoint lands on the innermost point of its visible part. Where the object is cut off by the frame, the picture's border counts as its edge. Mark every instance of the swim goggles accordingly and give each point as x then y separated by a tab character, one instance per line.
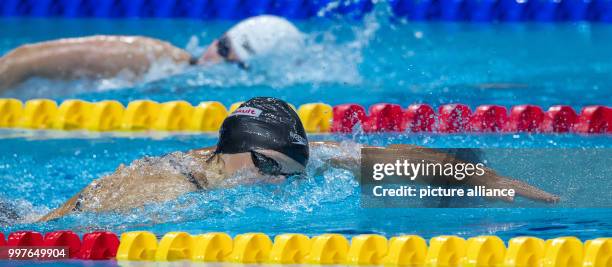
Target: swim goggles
267	165
223	49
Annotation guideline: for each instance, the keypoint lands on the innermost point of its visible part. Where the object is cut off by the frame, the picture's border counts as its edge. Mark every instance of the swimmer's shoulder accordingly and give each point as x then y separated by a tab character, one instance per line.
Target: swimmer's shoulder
204	152
125	43
334	144
100	39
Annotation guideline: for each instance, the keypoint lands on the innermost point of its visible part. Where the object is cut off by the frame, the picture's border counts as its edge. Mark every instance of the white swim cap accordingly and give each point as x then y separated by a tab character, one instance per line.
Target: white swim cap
263	34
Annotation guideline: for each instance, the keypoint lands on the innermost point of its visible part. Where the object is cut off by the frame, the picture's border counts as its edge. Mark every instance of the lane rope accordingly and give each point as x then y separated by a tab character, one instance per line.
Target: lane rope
365	249
414	10
147	115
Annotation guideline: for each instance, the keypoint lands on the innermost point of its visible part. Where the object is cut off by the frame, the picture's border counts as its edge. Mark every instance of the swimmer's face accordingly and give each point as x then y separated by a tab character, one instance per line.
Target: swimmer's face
263	162
220	50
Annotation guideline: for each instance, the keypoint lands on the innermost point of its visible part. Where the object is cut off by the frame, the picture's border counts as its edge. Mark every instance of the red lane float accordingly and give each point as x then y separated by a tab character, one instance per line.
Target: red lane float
2	240
489	118
99	246
595	119
525	118
95	245
419	118
384	117
25	239
457	118
346	116
64	239
453	118
559	119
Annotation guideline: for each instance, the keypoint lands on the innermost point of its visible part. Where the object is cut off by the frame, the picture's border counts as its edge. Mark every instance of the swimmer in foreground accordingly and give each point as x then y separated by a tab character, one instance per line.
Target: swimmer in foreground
263	139
105	56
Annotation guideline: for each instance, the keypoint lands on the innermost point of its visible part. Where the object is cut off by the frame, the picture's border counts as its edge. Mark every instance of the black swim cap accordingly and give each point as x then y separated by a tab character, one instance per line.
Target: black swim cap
264	123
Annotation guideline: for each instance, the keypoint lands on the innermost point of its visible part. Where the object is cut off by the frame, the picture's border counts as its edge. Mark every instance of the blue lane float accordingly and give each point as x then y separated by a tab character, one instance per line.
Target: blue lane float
417	10
511	10
480	10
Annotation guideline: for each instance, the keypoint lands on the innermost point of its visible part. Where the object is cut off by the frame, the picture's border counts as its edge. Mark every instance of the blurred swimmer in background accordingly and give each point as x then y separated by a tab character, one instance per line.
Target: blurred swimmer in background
106	56
262	141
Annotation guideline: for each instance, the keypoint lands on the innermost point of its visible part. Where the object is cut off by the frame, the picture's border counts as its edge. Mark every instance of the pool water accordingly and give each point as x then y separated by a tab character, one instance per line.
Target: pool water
368	61
40	174
377	59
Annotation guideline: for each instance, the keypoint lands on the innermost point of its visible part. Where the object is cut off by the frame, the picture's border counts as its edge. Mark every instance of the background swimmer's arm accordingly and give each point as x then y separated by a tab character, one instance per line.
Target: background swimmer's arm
87	57
490	179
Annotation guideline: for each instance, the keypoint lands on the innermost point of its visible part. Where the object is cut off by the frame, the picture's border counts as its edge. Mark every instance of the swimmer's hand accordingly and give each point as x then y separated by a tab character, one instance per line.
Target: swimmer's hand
490	179
493	180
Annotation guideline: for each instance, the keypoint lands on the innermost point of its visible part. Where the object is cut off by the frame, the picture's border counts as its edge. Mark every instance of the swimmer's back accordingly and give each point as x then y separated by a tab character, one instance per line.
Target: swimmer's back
144	181
86	57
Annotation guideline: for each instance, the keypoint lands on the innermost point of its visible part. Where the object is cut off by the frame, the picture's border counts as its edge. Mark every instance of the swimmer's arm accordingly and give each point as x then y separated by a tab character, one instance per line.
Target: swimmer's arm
87	57
202	151
490	179
344	160
65	209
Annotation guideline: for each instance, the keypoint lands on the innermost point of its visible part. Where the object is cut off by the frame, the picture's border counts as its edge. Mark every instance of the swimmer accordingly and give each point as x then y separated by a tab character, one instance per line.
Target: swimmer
105	56
263	139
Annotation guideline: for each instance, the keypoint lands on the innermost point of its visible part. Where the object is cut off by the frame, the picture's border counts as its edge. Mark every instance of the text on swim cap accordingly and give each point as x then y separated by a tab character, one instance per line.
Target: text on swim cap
247	111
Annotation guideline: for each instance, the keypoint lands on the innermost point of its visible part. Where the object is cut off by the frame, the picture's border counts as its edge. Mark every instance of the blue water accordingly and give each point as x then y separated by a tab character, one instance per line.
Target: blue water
368	61
40	174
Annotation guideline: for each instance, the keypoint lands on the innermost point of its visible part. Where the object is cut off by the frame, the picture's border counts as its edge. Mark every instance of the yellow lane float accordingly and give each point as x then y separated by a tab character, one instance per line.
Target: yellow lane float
73	114
208	116
445	251
235	106
39	114
563	251
484	251
316	117
290	249
10	112
175	246
408	250
328	249
173	116
251	248
137	246
105	116
212	247
366	249
524	251
140	115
